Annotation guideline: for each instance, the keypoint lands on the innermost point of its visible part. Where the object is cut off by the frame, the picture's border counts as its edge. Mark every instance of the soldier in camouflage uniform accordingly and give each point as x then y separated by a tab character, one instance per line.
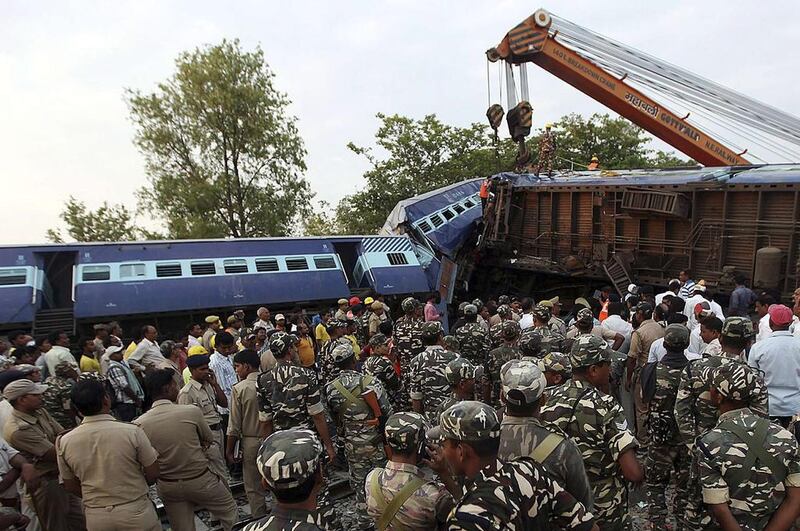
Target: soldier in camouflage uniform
696	414
496	330
381	367
407	344
357	423
425	504
451	343
522	434
513	495
327	368
498	357
597	424
56	398
749	466
429	386
555	322
473	338
551	340
461	375
289	398
667	454
547	151
290	464
556	368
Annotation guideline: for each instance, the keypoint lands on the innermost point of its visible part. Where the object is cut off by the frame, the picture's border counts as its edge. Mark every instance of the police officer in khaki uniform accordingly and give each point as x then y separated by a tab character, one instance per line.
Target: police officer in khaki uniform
32	431
179	434
244	426
204	392
110	463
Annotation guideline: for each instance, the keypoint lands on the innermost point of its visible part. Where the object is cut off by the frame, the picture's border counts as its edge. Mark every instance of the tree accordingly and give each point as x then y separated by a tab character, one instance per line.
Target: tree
223	156
109	223
422	155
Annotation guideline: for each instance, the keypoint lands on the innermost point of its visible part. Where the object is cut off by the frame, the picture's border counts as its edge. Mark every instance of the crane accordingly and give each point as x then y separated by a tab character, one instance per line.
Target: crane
599	68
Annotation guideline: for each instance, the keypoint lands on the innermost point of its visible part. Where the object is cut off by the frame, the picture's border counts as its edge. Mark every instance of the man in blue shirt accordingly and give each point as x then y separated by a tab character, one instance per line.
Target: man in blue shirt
687	284
778	357
742	298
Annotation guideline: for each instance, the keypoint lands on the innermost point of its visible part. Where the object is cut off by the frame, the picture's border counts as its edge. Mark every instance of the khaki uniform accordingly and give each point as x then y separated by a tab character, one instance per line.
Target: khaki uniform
202	395
107	457
186	483
244	424
641	339
33	436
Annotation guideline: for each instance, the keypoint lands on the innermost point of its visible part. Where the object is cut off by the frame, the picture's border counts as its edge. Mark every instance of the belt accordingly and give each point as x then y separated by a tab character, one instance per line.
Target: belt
201	474
215	427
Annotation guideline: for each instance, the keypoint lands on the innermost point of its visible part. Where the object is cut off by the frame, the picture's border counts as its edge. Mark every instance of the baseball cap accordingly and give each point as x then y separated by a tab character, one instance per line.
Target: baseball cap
542	312
531	342
510	330
470	420
280	317
378	340
409	304
522	382
211	319
676	336
584	316
354	300
504	310
451	343
342	352
556	362
340	302
280	342
198	360
735	381
287	458
8	376
431	329
470	309
232	319
405	432
113	349
22	387
645	307
734	327
458	370
780	315
588	350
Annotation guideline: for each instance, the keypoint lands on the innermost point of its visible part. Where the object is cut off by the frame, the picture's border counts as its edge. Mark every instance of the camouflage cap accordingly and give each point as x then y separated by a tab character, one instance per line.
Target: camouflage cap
645	307
503	299
64	368
409	304
405	432
434	435
676	337
461	307
735	381
531	343
287	458
342	352
458	370
510	330
470	421
451	343
584	317
378	340
556	362
478	303
280	343
470	309
738	327
431	329
542	312
504	310
522	382
588	350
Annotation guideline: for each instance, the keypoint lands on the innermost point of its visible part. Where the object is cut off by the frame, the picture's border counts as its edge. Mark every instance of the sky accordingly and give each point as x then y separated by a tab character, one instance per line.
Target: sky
64	125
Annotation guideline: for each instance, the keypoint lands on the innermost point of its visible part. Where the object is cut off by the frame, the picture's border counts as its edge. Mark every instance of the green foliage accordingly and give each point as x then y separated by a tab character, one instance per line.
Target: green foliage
422	155
223	157
109	223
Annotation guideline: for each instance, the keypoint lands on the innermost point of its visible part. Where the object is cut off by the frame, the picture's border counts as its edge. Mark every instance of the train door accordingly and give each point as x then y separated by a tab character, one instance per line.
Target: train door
348	254
57	310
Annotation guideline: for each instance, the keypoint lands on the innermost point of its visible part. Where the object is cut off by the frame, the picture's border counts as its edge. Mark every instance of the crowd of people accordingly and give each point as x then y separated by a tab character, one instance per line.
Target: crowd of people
514	418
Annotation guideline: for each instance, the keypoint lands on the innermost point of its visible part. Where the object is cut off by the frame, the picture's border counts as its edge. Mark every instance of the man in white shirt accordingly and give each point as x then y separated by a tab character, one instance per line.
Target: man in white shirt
59	352
147	353
615	323
526	321
195	334
710	330
672	289
778	356
221	363
762	305
263	320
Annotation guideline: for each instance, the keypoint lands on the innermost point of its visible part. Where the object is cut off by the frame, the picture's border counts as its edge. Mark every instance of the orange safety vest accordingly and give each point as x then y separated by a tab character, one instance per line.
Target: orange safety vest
603	312
484	193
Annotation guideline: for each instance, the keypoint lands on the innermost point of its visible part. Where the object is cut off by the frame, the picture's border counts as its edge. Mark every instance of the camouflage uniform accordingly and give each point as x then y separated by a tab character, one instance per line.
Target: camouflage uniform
452	344
382	368
328	370
428	381
285	460
667	454
458	370
556	362
549	341
425	508
523	385
597	424
547	150
407	344
363	446
56	398
696	415
500	356
515	495
749	478
473	339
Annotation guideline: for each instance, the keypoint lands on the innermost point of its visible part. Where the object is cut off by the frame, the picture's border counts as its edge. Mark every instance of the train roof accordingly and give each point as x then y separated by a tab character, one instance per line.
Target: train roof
782	174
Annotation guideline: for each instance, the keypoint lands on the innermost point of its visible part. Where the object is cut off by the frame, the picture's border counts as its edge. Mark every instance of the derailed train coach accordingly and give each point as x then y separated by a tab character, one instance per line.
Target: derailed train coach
170	283
546	235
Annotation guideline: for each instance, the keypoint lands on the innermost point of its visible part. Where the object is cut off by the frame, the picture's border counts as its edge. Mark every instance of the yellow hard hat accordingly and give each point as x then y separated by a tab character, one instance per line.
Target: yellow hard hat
595	159
548	125
196	350
368	301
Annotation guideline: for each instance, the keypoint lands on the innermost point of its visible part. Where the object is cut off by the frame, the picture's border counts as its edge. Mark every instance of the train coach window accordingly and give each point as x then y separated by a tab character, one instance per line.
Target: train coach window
203	268
458	208
297	263
168	270
12	277
131	270
324	262
93	273
267	265
425	227
469	203
436	220
397	258
235	266
448	214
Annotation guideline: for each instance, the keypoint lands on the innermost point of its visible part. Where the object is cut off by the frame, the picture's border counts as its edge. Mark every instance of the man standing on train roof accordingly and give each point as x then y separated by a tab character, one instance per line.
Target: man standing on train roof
594	164
547	151
213	325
